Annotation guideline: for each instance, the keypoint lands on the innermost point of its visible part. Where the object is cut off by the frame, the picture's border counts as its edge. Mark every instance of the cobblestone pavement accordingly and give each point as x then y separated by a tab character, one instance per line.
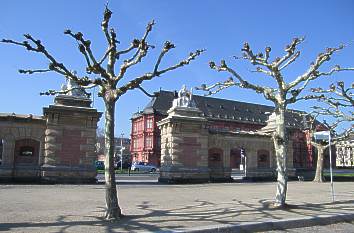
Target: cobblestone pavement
154	207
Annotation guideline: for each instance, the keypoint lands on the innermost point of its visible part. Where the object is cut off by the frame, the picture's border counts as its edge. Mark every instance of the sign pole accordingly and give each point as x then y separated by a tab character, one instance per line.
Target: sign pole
330	165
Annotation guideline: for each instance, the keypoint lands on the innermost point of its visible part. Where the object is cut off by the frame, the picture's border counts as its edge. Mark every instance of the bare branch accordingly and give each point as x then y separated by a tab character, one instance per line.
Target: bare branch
54	64
148	76
256	59
313	73
290	50
34	71
104	25
266	91
291	60
64	92
260	70
217	87
135	44
145	92
141	52
167	47
85	48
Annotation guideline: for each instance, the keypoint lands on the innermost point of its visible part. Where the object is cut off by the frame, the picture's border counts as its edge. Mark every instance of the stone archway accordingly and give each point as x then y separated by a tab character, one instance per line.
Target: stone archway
215	163
235	158
26	152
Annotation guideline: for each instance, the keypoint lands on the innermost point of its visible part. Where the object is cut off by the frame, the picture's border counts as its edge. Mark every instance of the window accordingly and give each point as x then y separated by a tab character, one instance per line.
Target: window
263	159
149	123
148	141
135	128
135	143
26	151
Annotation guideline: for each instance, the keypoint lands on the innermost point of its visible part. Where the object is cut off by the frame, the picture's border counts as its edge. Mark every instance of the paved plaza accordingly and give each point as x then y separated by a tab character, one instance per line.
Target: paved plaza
165	208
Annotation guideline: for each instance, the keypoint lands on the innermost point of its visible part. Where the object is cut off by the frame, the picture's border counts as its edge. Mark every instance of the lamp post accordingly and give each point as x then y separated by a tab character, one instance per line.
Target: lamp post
326	135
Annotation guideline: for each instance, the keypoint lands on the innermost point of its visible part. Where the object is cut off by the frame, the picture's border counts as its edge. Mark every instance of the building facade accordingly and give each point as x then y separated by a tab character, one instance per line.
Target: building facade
56	147
345	153
118	144
230	128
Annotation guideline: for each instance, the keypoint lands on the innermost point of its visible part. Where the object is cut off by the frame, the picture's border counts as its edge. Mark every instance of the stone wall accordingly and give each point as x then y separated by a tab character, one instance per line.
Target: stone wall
56	147
14	128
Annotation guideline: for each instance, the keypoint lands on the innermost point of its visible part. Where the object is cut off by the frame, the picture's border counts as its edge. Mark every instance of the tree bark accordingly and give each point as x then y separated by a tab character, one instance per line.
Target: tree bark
113	210
319	167
280	146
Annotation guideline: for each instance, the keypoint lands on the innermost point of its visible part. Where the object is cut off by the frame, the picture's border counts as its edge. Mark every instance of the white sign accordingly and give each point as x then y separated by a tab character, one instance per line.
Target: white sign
322	135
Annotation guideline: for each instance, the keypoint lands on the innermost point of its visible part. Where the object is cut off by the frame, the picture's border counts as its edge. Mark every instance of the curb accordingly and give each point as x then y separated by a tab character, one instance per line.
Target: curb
270	225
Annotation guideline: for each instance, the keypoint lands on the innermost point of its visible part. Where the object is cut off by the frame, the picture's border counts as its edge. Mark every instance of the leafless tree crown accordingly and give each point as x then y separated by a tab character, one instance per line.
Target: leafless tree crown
107	78
283	93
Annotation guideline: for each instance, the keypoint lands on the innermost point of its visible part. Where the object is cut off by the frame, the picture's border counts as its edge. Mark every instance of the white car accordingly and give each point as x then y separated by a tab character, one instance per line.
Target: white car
143	167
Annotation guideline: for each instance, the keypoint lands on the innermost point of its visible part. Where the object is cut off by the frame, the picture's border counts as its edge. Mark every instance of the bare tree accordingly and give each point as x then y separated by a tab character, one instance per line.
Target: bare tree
281	94
338	104
338	100
103	72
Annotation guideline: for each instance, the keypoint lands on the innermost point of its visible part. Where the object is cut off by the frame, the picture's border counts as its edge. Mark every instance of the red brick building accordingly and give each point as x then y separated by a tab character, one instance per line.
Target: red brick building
223	116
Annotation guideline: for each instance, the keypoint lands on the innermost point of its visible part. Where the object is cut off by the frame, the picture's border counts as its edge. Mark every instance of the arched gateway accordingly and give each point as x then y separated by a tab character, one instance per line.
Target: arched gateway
56	147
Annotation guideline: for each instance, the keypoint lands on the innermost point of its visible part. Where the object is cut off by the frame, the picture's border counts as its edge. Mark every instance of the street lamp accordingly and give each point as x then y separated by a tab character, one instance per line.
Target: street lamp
326	135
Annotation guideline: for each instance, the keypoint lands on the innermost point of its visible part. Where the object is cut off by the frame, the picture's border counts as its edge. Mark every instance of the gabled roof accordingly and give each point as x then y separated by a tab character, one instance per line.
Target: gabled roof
222	109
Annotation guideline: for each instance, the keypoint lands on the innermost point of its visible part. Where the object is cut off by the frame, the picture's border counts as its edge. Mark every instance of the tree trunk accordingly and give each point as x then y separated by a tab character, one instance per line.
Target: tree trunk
280	146
113	210
319	167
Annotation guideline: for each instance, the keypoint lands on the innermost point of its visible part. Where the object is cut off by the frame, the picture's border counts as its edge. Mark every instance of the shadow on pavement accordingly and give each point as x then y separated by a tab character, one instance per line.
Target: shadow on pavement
201	211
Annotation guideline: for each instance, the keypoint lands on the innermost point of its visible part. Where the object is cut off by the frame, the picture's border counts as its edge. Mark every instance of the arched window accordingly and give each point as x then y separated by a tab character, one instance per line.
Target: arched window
215	158
26	151
263	160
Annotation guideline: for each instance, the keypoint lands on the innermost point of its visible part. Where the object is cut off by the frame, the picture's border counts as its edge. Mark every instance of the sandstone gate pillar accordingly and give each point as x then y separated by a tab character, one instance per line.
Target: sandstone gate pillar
70	138
184	146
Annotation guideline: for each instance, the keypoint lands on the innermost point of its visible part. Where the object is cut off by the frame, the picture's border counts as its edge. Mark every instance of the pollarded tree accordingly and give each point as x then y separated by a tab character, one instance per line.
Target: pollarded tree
338	100
105	74
339	105
281	94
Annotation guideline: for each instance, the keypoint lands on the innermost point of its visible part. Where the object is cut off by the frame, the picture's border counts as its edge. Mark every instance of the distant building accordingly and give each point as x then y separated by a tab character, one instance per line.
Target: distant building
223	117
345	153
117	152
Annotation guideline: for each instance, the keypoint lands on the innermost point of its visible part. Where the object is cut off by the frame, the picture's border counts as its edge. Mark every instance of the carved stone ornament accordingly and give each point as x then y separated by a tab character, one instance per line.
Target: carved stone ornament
185	98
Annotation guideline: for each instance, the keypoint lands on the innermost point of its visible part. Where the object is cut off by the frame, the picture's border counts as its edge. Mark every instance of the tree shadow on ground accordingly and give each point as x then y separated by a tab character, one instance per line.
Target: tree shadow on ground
198	213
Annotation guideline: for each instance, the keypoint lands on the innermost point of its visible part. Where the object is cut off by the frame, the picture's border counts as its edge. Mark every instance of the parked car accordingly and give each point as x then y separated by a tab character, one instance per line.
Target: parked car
143	167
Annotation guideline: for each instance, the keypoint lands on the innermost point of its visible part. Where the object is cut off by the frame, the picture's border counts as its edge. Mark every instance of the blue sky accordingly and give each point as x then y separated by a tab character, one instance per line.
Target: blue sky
220	26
